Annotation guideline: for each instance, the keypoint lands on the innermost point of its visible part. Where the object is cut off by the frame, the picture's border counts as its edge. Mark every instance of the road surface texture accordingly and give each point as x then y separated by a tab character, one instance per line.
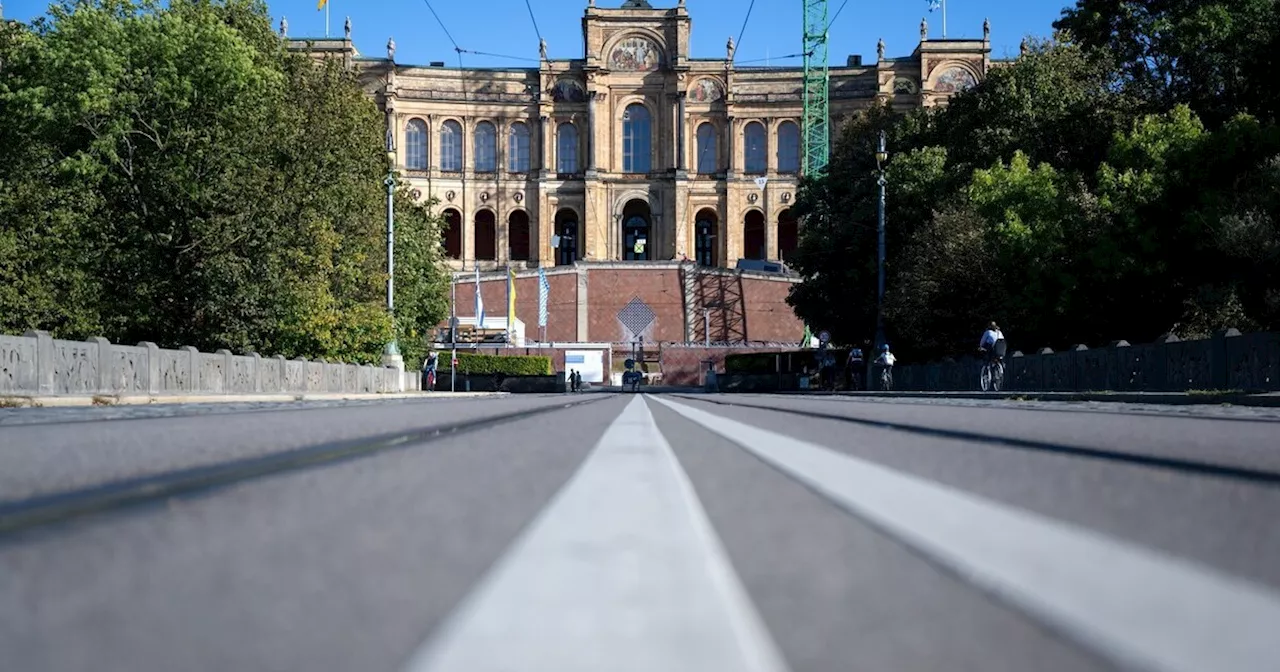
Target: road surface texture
620	532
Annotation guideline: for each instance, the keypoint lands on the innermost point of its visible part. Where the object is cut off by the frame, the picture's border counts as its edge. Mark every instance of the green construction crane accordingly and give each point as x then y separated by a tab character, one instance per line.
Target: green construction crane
817	119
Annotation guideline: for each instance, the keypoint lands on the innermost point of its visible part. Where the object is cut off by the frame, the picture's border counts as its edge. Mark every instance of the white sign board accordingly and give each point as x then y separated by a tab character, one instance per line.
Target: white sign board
589	363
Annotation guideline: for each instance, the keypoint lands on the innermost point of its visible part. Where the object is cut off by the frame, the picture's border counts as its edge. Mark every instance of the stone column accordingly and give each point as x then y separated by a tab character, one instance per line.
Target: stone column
103	384
592	97
45	357
681	124
544	154
731	135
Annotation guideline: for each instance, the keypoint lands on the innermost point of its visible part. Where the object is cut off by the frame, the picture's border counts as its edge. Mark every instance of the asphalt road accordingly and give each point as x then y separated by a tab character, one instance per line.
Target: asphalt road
609	532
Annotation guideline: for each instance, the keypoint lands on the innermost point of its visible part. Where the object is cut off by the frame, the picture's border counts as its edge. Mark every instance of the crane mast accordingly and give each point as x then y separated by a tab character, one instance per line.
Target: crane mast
817	118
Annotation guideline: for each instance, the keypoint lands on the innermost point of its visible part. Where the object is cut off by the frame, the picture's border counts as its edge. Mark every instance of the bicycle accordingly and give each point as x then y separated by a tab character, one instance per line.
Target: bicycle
991	377
431	381
886	378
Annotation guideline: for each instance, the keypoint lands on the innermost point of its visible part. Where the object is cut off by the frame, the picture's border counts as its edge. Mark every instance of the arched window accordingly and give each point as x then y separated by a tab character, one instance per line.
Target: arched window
788	234
451	147
753	243
518	148
705	237
637	140
567	149
486	149
756	149
636	242
486	236
452	234
708	152
518	235
415	145
567	230
788	148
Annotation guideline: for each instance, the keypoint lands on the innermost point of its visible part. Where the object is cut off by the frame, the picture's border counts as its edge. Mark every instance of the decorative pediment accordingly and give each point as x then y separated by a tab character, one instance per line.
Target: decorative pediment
706	90
635	54
568	91
955	79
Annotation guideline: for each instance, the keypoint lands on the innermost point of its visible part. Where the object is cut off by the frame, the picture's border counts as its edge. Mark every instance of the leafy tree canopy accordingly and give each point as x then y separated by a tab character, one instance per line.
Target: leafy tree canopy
178	176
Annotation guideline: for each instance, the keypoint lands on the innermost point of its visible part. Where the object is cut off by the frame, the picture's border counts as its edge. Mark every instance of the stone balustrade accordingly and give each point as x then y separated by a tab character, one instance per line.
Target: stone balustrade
37	364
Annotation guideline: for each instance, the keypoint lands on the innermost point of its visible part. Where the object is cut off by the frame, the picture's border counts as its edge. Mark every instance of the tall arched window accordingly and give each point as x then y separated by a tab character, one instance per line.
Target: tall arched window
486	149
486	236
518	235
518	148
756	149
708	154
567	230
753	241
788	234
705	237
637	140
451	147
788	148
567	149
452	234
415	145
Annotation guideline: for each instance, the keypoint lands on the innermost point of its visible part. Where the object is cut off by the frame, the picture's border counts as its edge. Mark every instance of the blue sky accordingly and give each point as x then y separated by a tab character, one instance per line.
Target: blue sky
773	31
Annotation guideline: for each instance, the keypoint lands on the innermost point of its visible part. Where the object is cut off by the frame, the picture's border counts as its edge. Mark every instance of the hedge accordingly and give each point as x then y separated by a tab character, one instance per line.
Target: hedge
509	365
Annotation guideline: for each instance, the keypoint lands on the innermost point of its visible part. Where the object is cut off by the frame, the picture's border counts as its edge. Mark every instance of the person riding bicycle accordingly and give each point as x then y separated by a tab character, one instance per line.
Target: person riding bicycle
991	343
885	358
885	361
429	366
853	368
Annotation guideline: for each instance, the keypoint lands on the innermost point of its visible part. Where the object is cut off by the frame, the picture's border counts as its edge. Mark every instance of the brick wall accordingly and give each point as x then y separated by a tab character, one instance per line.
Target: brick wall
610	290
754	306
562	302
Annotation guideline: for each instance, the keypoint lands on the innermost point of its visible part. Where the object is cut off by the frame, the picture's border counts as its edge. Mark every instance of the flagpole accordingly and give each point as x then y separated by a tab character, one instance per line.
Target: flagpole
944	19
453	330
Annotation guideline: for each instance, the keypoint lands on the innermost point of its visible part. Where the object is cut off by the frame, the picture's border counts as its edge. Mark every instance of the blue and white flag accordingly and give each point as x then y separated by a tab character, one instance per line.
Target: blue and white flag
479	302
935	5
544	291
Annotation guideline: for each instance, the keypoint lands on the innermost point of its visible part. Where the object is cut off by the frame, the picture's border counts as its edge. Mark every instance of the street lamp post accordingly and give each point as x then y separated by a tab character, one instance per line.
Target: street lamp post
882	155
391	353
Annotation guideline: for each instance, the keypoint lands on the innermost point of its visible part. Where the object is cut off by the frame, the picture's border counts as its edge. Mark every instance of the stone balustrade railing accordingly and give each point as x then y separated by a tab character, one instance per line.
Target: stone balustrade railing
36	364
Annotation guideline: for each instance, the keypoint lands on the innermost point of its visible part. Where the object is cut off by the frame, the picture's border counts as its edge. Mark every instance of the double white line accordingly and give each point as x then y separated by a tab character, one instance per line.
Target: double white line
622	571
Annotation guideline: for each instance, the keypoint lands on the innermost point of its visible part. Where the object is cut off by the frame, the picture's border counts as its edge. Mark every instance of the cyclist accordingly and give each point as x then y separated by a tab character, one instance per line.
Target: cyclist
886	361
853	369
429	370
992	348
993	335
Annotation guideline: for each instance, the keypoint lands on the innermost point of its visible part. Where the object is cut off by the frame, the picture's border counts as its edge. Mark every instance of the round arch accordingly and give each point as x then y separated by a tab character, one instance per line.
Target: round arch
753	235
637	230
706	237
788	234
451	237
625	53
485	236
569	232
518	234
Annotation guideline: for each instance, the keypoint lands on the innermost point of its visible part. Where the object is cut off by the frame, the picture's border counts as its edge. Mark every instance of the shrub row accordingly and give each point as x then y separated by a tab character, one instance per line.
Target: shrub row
510	365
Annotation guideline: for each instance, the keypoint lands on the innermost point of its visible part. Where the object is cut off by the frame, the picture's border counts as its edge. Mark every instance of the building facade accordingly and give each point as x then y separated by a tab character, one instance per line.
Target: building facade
637	151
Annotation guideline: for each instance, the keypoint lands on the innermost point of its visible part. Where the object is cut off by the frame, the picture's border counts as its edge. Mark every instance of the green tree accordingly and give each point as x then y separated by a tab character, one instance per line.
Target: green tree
180	177
1217	56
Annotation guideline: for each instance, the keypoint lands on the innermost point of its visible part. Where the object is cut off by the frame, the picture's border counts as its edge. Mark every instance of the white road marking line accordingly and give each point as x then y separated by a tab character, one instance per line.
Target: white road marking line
1144	610
621	571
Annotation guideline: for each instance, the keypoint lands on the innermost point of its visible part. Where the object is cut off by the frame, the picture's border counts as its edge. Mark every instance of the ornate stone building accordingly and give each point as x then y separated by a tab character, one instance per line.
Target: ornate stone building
636	151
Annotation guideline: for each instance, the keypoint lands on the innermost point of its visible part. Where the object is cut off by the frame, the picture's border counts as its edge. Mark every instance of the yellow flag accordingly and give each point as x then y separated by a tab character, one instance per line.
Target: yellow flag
320	5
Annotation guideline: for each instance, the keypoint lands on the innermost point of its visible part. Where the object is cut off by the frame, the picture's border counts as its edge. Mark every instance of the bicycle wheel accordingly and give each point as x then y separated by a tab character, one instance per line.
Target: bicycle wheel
886	380
984	378
997	376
